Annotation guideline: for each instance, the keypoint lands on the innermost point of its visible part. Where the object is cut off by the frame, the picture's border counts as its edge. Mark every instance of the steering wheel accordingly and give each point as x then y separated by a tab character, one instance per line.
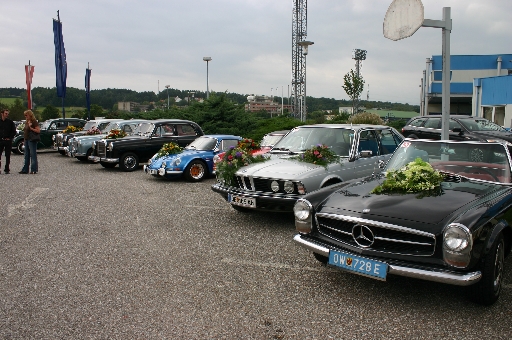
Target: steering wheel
472	170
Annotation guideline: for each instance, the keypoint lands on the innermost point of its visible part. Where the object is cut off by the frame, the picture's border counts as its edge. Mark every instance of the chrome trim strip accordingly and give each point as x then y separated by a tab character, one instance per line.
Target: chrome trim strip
462	279
109	160
376	224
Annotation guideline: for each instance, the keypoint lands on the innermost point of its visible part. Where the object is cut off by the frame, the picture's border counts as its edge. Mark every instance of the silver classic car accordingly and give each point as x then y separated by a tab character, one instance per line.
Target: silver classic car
81	147
275	185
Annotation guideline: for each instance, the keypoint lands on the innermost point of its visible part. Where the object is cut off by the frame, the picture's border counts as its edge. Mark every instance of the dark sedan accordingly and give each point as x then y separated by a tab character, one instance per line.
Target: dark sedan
148	138
460	128
458	233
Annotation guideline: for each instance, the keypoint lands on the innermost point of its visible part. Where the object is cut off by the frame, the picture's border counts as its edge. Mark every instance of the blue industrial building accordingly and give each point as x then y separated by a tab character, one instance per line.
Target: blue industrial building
480	85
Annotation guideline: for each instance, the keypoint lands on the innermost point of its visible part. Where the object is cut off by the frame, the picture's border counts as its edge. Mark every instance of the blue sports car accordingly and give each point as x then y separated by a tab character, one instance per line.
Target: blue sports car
194	162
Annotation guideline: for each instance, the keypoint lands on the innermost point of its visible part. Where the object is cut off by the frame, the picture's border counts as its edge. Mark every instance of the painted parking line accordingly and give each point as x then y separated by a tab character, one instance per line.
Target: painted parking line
27	203
275	265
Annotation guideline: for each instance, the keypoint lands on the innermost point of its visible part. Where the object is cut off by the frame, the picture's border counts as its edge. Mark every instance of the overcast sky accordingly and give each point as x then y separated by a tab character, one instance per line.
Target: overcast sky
145	45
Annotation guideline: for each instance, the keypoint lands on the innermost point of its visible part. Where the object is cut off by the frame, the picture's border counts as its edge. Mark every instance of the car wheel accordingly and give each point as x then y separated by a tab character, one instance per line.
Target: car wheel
20	147
321	258
195	171
82	158
240	209
129	162
487	290
108	165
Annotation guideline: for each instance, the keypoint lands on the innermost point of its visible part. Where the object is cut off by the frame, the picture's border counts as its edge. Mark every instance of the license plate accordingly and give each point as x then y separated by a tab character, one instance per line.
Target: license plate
360	265
242	201
152	172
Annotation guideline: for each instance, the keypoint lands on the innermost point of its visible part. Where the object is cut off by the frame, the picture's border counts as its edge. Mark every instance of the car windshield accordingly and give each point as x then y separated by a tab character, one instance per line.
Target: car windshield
45	125
270	140
90	125
111	126
144	129
303	138
483	161
480	125
202	143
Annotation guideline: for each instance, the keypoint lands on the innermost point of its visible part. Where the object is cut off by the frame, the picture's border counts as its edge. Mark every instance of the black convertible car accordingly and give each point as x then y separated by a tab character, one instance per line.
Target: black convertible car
457	233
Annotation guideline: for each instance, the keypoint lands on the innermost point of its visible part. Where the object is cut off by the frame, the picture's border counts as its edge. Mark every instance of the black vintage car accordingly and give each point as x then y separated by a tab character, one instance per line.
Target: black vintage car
460	128
129	152
458	233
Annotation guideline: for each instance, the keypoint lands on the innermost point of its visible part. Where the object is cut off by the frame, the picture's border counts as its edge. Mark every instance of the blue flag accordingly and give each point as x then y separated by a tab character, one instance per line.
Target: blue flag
61	66
88	88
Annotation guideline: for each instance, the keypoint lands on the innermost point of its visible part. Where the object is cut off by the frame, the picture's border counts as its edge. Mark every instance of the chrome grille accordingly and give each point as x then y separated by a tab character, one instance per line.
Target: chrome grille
73	146
261	184
58	139
387	238
101	148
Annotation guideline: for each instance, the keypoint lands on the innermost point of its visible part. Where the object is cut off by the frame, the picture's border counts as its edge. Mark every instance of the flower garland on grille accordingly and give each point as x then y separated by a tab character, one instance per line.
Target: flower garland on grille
115	134
417	176
71	129
169	149
235	158
93	131
320	154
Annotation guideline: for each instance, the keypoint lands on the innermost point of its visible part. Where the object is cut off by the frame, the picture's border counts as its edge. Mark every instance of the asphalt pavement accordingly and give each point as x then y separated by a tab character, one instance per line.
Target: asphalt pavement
94	253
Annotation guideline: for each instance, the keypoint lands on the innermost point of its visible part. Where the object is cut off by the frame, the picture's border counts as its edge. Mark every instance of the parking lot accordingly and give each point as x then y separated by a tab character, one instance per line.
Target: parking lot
88	252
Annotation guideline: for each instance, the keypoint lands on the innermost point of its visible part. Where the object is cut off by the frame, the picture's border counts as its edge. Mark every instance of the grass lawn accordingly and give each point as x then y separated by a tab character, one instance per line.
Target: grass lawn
8	101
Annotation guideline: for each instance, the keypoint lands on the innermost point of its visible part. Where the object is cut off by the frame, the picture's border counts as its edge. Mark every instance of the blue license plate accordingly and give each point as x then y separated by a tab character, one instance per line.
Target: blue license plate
357	264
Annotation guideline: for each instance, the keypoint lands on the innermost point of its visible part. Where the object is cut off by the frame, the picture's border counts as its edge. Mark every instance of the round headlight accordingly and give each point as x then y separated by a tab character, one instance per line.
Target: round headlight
456	238
274	185
289	187
177	161
302	209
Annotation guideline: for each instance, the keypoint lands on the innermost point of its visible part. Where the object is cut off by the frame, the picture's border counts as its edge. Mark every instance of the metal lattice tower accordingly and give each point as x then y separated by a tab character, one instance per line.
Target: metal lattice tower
299	33
359	56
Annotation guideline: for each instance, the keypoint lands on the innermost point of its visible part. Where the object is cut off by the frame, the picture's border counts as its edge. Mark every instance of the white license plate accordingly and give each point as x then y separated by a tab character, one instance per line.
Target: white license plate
357	264
152	172
242	201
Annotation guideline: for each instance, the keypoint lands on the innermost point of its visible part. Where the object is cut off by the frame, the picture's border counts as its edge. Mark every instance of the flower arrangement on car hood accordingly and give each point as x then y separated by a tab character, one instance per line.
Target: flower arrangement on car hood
115	134
71	129
320	154
169	149
417	176
235	158
93	131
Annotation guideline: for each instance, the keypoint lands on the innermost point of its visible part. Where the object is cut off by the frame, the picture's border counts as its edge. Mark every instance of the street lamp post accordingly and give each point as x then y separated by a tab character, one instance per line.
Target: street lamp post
167	87
207	59
304	45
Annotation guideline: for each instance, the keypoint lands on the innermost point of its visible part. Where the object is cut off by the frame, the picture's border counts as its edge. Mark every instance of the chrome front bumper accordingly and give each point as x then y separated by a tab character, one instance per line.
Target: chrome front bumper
462	279
109	160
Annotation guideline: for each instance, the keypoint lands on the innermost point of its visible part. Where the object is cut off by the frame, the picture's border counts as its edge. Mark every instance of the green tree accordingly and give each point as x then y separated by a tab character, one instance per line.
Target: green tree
353	84
50	112
16	110
96	111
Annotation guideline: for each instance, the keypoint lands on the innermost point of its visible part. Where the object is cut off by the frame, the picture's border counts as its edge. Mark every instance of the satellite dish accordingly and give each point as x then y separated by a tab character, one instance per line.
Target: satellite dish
403	19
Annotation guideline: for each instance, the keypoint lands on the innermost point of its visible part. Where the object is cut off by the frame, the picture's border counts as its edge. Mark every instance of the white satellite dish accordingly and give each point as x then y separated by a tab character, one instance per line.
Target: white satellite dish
403	19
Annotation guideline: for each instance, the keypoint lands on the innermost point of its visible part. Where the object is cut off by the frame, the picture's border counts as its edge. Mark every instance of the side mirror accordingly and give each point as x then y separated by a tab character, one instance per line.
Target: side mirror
457	130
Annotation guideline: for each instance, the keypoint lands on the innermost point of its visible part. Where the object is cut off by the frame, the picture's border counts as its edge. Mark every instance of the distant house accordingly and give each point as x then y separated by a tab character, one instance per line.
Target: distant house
264	103
127	106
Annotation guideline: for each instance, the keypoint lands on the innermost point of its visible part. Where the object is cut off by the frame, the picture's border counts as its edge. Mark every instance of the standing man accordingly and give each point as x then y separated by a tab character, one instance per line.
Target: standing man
7	133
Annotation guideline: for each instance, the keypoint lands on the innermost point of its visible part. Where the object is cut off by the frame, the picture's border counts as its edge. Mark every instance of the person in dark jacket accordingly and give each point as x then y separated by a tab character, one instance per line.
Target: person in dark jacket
7	133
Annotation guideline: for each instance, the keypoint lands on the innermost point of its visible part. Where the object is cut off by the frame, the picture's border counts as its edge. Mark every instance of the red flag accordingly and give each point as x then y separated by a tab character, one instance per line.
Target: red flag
29	72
